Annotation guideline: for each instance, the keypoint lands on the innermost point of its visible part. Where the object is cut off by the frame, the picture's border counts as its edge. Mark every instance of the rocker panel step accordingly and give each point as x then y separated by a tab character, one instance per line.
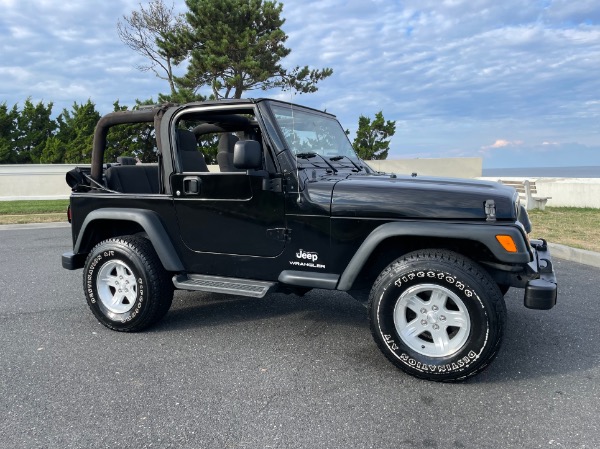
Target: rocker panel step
217	284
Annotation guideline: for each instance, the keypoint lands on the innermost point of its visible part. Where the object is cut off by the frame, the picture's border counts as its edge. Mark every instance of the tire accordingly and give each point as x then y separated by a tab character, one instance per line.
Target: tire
125	284
437	315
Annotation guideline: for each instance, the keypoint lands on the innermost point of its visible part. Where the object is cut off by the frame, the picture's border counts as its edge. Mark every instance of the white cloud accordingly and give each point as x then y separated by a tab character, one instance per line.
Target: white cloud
456	74
16	73
500	143
474	66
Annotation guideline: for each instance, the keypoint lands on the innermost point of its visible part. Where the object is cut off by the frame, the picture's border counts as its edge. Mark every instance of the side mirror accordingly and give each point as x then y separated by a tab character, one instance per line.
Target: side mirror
247	155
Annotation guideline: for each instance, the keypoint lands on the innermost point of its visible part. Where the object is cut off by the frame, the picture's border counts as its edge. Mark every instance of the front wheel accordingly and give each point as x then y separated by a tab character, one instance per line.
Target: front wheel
125	284
437	315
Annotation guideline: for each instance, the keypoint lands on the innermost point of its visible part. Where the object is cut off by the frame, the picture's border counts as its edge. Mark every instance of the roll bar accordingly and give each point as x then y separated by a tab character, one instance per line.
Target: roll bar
111	119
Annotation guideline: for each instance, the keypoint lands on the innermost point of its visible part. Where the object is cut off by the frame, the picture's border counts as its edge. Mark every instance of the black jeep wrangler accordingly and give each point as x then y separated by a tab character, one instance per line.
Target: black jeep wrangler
291	208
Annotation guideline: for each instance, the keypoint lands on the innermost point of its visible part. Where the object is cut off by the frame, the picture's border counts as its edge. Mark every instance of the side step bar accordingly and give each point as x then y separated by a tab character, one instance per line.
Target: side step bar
217	284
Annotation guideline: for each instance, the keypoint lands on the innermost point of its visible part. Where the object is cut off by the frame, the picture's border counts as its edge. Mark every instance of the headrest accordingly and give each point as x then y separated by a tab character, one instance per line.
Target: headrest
186	140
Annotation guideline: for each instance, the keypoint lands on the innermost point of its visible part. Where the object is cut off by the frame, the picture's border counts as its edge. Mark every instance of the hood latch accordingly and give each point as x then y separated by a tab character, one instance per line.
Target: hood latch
490	210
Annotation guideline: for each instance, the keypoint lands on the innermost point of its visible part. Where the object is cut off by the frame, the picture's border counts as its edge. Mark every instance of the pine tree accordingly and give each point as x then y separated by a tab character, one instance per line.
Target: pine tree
34	127
76	132
8	127
237	46
373	137
136	140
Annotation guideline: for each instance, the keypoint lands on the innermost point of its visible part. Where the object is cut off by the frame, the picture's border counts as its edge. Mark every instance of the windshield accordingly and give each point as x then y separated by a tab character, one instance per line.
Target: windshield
309	134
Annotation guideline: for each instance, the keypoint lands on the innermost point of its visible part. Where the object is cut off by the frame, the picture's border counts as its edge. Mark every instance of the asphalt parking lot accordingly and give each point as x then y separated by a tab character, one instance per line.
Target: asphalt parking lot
278	372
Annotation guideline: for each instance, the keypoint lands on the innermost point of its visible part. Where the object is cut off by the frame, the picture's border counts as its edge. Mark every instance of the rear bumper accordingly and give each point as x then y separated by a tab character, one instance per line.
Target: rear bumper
72	261
540	293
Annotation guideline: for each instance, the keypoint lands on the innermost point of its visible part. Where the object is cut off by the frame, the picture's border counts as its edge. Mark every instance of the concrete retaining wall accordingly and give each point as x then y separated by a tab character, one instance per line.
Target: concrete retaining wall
48	181
457	167
566	192
34	181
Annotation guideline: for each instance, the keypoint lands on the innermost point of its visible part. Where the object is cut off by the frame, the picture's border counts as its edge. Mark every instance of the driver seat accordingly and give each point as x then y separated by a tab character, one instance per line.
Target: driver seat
191	159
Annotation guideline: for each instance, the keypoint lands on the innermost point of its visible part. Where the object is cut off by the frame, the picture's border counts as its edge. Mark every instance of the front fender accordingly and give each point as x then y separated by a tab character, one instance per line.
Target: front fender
483	233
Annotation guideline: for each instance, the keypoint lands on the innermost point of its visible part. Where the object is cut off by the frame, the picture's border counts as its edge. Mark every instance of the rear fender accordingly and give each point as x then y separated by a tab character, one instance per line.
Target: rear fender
149	222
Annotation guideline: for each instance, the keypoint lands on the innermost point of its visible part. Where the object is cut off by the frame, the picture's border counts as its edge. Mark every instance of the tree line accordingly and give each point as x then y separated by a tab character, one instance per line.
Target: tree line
228	47
31	136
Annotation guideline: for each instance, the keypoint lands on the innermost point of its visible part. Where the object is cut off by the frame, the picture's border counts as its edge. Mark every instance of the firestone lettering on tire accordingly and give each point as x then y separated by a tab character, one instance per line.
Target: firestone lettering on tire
89	278
153	290
431	282
460	365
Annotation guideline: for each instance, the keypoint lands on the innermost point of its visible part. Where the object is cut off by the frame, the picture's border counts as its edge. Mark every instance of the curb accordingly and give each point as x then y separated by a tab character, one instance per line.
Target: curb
58	224
558	251
582	256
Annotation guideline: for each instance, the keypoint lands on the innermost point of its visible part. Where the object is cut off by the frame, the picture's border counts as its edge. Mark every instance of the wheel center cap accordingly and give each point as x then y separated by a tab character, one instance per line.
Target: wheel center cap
432	317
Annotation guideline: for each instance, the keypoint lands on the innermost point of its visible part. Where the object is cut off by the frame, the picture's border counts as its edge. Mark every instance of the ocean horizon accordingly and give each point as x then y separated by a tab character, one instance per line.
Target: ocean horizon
545	172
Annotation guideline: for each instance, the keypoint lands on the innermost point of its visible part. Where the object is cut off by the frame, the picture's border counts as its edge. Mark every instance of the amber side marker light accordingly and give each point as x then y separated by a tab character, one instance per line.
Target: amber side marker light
507	243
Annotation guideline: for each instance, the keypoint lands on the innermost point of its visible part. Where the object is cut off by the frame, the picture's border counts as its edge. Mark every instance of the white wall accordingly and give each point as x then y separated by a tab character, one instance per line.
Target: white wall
48	181
34	181
452	167
567	192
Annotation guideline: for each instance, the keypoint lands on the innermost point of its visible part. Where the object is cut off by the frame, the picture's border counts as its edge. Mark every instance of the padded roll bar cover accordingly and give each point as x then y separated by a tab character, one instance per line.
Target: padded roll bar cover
101	131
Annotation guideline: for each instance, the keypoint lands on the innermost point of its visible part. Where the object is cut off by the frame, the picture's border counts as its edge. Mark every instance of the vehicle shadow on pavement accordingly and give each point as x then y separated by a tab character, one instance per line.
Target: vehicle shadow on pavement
196	310
537	344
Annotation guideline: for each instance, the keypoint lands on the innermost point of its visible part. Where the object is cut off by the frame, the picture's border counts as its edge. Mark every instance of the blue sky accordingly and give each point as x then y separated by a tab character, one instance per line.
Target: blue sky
513	82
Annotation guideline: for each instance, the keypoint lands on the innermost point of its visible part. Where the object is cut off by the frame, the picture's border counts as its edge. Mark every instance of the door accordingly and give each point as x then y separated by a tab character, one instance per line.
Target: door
229	213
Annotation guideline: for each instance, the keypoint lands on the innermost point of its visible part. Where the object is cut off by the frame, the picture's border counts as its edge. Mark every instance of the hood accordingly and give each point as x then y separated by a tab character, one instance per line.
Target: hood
405	197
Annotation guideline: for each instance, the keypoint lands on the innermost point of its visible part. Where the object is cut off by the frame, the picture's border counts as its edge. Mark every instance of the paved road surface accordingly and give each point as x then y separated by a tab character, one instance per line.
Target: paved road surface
278	372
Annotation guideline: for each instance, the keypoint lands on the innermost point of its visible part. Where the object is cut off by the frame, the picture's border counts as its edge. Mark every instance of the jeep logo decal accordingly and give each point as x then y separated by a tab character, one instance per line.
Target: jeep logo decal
307	255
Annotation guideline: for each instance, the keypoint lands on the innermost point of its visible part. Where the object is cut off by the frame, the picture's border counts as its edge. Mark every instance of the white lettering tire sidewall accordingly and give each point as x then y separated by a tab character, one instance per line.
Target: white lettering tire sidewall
98	258
480	346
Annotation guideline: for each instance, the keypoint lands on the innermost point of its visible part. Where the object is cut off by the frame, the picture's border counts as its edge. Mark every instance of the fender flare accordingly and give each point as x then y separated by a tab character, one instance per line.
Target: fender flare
151	224
479	232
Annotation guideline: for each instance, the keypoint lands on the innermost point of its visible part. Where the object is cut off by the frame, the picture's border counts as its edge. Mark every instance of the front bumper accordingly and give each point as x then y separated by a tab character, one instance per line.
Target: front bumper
540	293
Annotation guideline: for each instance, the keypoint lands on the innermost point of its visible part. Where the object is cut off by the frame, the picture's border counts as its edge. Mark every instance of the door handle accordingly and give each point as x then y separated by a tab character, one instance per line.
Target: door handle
192	185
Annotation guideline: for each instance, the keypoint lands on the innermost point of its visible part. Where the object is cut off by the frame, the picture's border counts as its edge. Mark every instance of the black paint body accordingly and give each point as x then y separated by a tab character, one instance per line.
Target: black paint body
259	224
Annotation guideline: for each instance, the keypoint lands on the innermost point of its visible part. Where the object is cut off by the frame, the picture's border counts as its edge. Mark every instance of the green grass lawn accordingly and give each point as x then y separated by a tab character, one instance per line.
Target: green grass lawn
577	227
33	211
33	207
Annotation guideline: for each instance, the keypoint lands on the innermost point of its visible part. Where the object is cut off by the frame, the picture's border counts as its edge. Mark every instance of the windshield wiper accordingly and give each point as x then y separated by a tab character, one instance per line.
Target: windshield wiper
339	158
305	155
312	154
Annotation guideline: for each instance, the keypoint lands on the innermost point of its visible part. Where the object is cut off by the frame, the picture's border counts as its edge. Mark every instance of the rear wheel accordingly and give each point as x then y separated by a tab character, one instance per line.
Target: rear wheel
125	284
437	315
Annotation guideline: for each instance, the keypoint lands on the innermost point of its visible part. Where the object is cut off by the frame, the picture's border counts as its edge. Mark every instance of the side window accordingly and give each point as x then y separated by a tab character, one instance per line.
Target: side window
225	150
207	144
190	158
206	141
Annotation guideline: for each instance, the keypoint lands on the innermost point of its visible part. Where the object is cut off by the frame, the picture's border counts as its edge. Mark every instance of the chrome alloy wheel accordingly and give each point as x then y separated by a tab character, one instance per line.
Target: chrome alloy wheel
432	320
116	286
